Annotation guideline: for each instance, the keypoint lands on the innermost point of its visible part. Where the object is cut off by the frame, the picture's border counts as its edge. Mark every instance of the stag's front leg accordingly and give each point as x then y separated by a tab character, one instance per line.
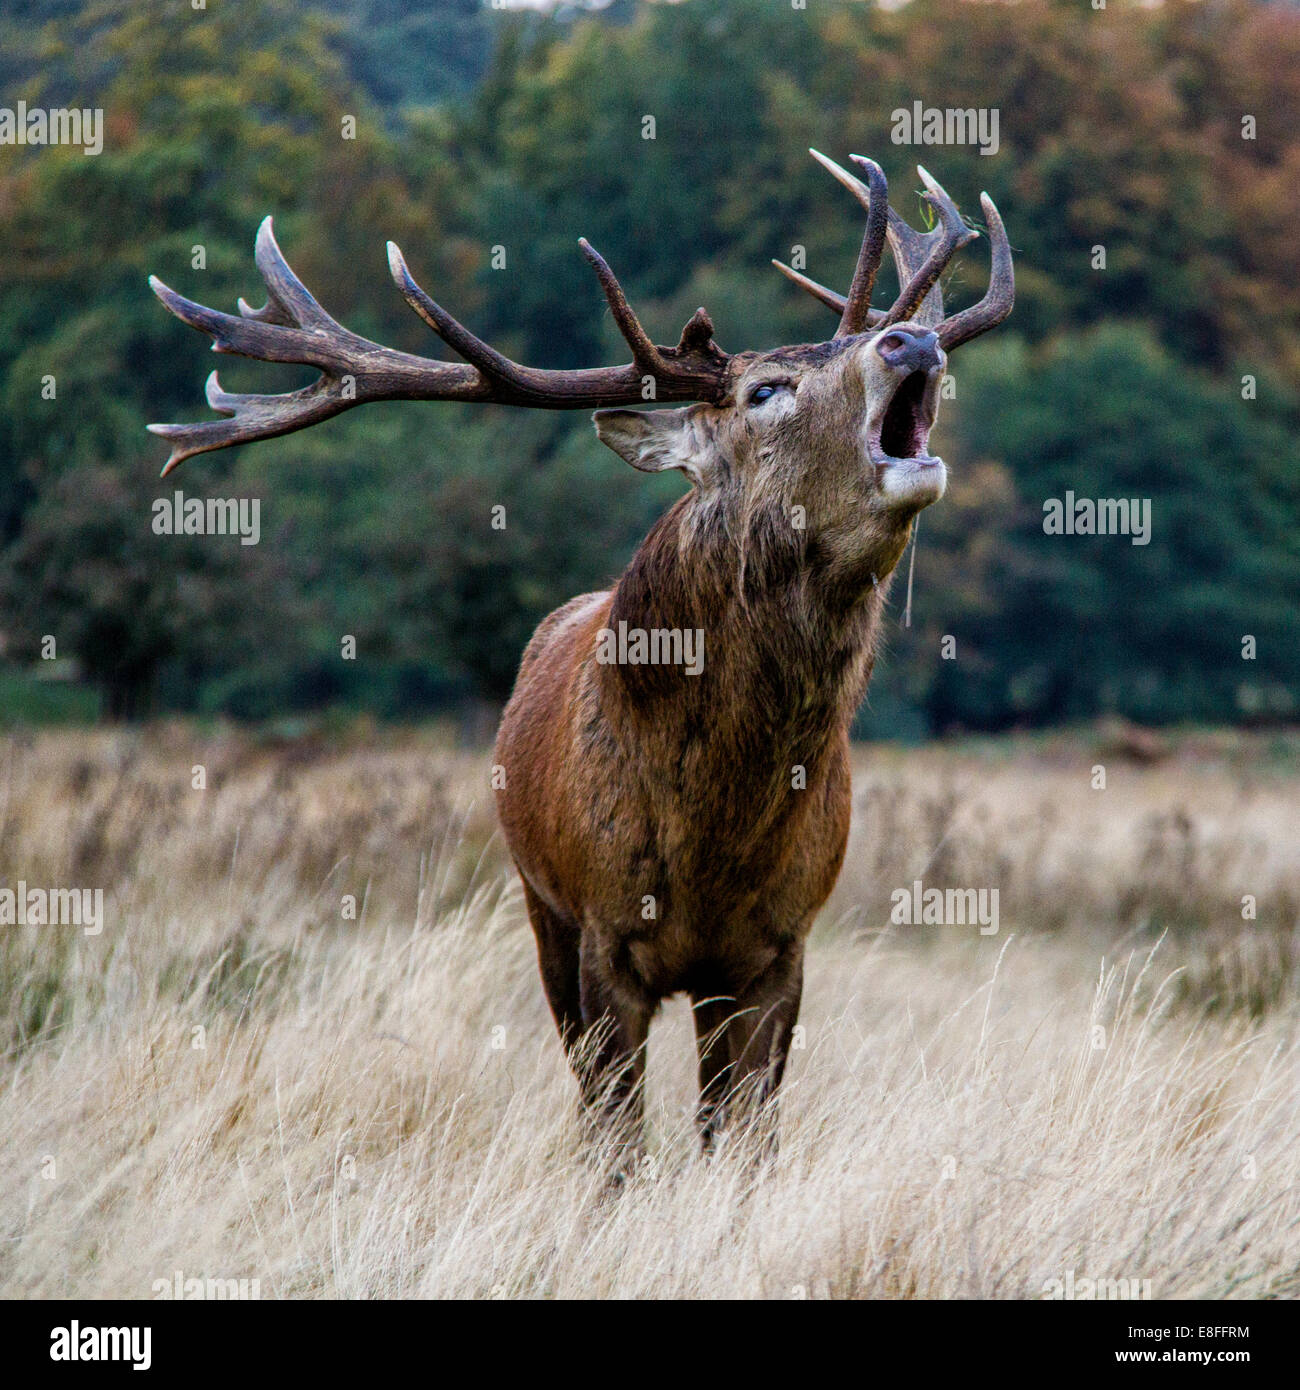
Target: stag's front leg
743	1043
610	1059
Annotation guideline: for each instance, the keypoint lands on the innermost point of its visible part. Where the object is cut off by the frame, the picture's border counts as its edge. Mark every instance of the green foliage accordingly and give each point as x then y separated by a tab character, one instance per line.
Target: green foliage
440	536
484	134
89	570
1087	624
26	699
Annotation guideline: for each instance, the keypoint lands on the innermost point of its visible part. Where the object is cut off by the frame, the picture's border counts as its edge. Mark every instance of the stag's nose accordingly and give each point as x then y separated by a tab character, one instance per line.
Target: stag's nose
910	349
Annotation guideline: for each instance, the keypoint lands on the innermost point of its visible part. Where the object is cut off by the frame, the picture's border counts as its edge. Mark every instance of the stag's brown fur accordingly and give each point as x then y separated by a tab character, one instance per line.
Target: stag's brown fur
677	830
632	785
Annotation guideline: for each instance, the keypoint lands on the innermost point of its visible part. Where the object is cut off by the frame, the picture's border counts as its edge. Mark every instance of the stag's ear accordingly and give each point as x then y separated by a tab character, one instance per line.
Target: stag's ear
655	440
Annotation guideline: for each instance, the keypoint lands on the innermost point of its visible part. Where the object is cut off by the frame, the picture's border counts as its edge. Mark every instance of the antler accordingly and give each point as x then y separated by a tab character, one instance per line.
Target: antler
921	258
292	327
874	197
998	298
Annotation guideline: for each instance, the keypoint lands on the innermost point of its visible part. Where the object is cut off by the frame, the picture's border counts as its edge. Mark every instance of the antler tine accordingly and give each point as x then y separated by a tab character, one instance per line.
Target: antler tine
829	298
292	327
920	257
1001	293
908	248
857	311
258	333
842	175
289	302
697	336
644	353
650	360
452	332
950	236
250	417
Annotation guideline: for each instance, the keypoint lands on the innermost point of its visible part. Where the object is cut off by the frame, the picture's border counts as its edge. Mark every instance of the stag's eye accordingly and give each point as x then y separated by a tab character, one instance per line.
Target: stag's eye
765	392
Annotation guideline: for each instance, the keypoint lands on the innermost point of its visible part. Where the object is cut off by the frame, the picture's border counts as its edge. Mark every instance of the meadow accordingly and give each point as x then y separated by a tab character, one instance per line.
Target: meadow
309	1047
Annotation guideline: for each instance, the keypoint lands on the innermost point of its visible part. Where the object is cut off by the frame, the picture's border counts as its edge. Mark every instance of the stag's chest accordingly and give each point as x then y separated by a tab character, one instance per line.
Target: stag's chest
709	875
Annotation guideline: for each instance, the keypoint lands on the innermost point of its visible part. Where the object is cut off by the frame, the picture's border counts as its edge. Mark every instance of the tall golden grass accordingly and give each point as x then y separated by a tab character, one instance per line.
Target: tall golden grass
237	1080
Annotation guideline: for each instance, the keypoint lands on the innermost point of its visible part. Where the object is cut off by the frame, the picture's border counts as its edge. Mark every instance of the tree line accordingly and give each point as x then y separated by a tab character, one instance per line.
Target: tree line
1147	166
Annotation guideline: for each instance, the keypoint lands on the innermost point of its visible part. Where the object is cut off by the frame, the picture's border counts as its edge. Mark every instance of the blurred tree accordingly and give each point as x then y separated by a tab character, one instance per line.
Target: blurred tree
1089	623
467	526
90	573
213	118
486	142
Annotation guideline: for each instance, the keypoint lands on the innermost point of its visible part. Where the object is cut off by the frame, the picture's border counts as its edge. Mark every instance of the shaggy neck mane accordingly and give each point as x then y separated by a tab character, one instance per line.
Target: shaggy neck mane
788	645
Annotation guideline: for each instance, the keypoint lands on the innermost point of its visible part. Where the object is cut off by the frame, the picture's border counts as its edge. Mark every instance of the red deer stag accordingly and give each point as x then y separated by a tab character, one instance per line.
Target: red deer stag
677	824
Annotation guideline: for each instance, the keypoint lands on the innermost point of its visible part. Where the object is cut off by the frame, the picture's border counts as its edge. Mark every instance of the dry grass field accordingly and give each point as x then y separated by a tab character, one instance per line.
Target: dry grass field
235	1080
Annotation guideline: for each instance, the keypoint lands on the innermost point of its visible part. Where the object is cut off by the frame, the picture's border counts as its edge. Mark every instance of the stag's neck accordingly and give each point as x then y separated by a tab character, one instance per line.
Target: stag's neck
788	640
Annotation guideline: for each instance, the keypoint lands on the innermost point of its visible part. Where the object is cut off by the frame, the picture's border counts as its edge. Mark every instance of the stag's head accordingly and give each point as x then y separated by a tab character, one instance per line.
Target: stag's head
849	419
838	430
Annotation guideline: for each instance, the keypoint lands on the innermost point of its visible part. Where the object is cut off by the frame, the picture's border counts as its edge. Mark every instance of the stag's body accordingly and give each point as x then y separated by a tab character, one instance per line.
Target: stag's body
679	833
677	829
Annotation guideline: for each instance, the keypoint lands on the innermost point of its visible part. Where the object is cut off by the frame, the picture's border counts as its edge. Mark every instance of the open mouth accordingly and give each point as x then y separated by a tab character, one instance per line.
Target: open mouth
902	430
